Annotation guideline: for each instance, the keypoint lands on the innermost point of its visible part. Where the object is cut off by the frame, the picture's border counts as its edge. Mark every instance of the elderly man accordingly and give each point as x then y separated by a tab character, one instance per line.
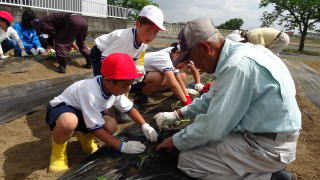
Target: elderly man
270	38
247	125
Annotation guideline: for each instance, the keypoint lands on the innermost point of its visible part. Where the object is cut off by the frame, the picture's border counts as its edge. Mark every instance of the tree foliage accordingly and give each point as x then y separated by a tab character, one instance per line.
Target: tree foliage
134	6
231	24
301	14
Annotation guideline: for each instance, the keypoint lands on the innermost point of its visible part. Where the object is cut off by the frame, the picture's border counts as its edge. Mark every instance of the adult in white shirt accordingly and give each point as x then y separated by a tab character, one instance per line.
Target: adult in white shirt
9	38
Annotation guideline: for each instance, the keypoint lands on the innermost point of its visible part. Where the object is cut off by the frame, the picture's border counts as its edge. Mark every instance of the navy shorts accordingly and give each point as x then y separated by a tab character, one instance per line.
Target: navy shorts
53	114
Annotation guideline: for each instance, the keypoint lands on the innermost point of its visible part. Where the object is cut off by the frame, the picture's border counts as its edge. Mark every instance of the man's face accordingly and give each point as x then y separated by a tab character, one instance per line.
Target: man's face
119	87
146	32
202	59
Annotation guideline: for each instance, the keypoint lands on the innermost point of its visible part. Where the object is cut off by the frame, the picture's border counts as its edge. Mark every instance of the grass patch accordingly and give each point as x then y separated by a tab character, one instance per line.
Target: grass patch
312	53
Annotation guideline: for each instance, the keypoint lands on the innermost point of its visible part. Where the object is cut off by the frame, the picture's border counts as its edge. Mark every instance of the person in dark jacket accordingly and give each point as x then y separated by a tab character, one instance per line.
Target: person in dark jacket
64	28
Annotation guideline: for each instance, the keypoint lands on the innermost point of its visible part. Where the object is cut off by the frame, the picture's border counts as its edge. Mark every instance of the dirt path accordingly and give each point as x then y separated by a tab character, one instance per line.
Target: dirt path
25	142
307	77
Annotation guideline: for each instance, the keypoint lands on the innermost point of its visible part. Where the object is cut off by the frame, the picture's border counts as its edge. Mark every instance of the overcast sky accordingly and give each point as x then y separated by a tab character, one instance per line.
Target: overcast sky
219	10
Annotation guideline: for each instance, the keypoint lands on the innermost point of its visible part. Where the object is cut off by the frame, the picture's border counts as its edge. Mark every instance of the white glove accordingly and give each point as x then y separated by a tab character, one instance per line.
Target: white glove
149	132
193	92
3	56
198	87
166	118
41	50
34	51
24	53
140	69
132	147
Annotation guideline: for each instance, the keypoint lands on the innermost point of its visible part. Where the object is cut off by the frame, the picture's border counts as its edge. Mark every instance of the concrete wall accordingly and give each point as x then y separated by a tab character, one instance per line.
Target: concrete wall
97	26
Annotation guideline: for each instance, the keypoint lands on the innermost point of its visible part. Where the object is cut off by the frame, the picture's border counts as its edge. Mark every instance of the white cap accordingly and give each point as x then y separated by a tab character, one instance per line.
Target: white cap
154	14
235	37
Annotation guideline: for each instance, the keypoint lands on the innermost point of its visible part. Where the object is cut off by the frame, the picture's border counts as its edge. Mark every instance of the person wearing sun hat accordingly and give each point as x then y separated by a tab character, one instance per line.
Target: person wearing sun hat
247	125
9	39
80	107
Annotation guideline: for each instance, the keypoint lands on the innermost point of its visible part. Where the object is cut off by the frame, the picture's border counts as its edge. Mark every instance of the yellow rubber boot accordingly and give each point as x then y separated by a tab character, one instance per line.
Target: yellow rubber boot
58	159
87	142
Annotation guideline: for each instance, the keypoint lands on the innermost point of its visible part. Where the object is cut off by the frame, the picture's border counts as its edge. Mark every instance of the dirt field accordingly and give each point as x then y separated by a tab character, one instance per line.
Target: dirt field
25	142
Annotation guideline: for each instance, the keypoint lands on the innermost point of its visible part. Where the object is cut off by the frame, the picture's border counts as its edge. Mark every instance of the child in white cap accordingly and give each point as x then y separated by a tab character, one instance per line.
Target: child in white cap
132	41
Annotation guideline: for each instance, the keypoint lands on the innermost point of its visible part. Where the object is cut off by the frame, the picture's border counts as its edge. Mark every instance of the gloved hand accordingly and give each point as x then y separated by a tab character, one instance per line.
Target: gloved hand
23	53
3	56
206	87
34	51
166	118
198	87
149	132
189	101
193	92
40	50
132	147
140	69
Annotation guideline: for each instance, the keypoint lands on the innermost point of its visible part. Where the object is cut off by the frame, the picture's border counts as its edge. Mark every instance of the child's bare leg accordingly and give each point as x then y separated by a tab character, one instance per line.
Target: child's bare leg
65	125
153	82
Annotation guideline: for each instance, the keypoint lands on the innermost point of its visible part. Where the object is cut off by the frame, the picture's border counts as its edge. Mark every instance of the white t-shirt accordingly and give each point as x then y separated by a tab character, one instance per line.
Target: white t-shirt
121	40
87	95
11	33
159	61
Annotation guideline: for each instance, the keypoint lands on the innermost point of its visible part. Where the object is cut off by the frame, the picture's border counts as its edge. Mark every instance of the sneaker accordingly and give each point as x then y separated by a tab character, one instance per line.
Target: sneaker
140	99
122	118
283	175
34	51
87	66
60	69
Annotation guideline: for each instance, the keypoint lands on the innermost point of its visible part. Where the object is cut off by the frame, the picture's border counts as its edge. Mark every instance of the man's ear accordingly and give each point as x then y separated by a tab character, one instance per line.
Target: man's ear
205	45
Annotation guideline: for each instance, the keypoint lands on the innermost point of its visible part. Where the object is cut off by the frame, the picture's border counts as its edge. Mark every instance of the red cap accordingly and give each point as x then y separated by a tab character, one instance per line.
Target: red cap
6	15
119	66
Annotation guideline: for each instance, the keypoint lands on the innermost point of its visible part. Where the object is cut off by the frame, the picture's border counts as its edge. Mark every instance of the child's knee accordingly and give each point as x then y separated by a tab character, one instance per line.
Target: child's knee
111	124
67	121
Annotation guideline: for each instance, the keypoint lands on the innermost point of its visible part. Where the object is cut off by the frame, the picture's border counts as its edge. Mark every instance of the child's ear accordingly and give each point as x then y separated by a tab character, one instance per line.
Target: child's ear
138	23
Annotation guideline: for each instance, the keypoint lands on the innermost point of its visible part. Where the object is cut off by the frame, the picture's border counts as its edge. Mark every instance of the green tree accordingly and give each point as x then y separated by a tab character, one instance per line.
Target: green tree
304	14
134	6
231	24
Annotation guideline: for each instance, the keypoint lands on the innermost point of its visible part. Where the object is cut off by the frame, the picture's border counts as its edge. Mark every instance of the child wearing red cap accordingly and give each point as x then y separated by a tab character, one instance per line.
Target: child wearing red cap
81	107
9	38
132	41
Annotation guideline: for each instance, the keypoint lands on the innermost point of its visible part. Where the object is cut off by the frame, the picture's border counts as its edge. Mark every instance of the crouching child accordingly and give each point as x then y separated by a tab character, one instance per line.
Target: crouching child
81	107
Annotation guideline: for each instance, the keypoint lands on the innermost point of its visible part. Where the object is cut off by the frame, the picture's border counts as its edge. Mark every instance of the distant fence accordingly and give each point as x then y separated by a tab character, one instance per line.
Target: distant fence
95	8
311	42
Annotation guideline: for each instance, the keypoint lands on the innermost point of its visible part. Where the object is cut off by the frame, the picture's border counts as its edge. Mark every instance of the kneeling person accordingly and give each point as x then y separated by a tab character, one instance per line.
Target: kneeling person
160	74
80	108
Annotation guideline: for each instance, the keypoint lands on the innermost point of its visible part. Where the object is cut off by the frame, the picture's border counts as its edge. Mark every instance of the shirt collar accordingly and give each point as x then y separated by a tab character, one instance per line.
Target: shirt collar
224	55
104	95
135	43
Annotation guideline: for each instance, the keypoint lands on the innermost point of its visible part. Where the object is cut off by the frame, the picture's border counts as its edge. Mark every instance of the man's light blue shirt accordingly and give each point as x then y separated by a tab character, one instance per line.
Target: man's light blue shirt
253	91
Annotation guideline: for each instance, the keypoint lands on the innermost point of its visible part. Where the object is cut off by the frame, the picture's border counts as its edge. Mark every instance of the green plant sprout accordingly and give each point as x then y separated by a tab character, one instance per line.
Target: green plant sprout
101	178
143	158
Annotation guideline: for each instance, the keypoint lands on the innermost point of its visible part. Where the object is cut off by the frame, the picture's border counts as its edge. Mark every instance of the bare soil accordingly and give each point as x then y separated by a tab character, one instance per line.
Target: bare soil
25	143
